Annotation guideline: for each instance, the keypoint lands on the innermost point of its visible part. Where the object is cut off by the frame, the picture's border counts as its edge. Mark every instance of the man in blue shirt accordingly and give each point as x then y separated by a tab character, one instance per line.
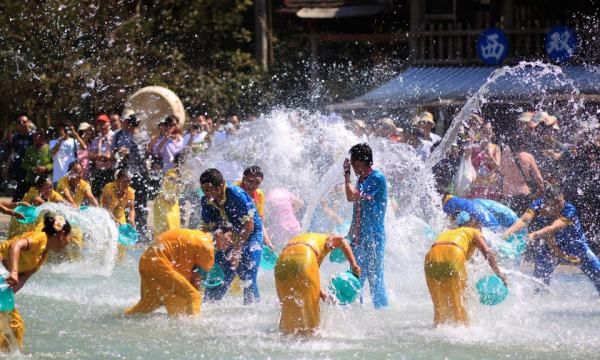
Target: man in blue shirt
229	204
367	231
564	237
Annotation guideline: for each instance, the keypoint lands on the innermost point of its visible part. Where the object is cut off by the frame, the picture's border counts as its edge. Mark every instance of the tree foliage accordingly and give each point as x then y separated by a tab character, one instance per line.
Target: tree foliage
75	58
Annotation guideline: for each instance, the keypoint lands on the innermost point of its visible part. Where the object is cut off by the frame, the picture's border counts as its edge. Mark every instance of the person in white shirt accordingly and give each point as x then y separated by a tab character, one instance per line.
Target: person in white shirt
427	140
64	152
102	169
171	144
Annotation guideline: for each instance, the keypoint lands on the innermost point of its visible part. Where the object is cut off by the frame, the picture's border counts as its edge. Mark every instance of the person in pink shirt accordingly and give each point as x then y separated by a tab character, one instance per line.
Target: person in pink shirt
283	224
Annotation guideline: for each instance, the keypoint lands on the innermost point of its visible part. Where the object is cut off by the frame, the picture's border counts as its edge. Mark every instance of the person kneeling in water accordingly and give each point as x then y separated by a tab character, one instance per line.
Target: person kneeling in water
298	281
22	256
446	271
563	234
167	272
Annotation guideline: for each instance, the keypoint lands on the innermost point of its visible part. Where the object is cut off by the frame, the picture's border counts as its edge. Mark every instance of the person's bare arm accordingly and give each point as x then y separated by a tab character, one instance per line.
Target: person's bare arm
131	217
489	255
537	176
549	230
352	193
520	223
90	197
337	241
66	193
12	263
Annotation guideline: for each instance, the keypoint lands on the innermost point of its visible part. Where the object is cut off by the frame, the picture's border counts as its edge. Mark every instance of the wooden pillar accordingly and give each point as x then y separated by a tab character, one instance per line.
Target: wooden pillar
417	12
508	9
261	36
314	53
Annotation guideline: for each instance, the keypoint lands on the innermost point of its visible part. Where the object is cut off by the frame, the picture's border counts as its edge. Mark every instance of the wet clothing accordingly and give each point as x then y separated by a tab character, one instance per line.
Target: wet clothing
454	204
29	260
35	157
16	228
79	194
298	282
17	325
282	221
446	274
166	271
19	144
236	209
114	204
571	240
367	233
166	213
32	258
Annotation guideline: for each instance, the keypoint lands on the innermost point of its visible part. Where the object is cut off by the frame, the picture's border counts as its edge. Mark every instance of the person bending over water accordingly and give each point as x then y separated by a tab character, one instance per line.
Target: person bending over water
560	228
38	194
446	270
24	255
367	230
74	189
223	203
298	281
167	272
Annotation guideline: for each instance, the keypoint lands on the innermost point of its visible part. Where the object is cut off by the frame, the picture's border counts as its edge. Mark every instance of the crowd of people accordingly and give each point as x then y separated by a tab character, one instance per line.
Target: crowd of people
549	183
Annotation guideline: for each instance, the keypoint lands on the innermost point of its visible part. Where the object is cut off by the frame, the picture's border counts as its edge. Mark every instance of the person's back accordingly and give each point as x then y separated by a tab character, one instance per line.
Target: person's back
461	237
283	224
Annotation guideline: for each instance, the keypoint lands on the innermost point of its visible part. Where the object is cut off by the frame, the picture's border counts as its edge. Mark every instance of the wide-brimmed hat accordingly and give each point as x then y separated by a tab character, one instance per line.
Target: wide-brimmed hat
84	126
424	116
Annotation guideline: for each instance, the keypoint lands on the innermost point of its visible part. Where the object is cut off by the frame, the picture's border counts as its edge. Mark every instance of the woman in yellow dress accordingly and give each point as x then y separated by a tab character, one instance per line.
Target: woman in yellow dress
446	269
166	205
118	196
74	189
298	281
38	194
167	272
22	256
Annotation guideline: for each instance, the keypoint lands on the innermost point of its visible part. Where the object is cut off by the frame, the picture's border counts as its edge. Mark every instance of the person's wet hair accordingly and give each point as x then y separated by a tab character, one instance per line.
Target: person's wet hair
72	165
122	172
41	181
362	152
212	176
552	192
254	171
54	224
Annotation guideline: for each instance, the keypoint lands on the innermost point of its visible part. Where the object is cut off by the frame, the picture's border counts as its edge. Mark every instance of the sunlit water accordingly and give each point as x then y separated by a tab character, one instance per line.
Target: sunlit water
75	311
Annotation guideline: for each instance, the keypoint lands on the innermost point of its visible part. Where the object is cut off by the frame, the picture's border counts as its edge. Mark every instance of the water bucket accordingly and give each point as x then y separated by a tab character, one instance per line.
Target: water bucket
214	277
346	287
337	256
7	297
84	207
268	258
492	290
30	213
128	235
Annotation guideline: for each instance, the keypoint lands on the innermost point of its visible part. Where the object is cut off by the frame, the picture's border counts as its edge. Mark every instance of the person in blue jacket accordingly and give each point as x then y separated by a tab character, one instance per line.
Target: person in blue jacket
228	204
563	236
367	230
476	210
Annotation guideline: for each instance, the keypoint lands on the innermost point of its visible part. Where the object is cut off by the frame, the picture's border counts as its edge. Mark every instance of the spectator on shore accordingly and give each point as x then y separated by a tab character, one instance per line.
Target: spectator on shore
386	128
427	140
19	142
115	122
129	155
485	157
86	135
100	155
171	143
63	150
37	160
